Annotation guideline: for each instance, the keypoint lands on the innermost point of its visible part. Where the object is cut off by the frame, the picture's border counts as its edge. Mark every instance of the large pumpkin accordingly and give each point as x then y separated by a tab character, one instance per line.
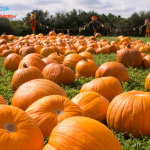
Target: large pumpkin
129	113
82	133
18	131
48	111
129	57
147	83
58	73
114	69
93	105
31	91
109	87
25	74
12	62
2	100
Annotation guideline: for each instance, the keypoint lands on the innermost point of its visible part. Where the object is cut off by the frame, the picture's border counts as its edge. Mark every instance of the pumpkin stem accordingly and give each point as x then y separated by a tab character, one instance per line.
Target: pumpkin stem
100	46
58	112
129	45
9	127
7	47
84	58
25	66
27	44
58	52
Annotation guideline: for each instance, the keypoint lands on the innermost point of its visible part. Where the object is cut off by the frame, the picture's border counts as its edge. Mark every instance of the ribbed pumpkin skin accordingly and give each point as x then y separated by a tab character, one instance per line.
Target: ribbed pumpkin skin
2	100
33	90
23	75
58	74
146	61
71	60
87	55
12	61
130	57
114	69
27	135
82	133
32	61
93	105
109	87
49	60
43	112
59	58
86	68
28	50
129	112
147	83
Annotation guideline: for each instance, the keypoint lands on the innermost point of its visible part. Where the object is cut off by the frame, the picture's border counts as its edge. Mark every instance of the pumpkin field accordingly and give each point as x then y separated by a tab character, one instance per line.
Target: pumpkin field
62	92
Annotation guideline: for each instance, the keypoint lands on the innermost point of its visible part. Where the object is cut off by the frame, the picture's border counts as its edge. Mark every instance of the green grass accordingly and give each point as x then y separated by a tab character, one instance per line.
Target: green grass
137	80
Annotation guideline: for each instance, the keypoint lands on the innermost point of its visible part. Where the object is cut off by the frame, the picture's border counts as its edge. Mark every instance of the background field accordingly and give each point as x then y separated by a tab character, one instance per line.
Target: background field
137	79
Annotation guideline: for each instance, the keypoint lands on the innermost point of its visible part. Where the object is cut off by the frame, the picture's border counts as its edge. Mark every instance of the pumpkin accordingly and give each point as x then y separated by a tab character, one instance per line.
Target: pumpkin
81	48
70	51
35	54
90	50
3	41
19	130
57	56
87	55
45	51
86	68
2	100
98	35
27	50
58	73
32	60
71	60
82	133
4	36
25	74
3	47
143	55
103	50
112	48
7	51
147	83
129	57
53	109
113	69
11	37
128	113
146	61
92	104
38	48
12	61
109	87
31	91
49	60
143	49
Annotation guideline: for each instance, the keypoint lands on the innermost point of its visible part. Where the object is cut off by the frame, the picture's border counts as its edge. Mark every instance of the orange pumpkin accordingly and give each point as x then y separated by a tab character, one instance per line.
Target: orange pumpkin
86	68
2	100
57	56
31	91
19	130
82	133
92	104
49	60
45	51
146	61
109	87
147	83
32	60
128	113
25	74
129	57
53	109
87	55
12	61
71	60
113	69
58	73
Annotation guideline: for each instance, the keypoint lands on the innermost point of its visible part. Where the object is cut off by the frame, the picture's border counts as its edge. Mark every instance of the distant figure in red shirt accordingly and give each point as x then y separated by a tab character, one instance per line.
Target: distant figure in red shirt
33	22
147	23
95	25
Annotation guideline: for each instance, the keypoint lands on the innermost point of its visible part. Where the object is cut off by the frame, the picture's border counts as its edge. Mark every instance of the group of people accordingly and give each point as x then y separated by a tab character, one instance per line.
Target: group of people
94	21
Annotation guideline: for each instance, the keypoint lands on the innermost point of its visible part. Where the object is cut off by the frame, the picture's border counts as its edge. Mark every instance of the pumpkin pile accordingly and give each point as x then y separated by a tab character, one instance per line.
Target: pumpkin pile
40	108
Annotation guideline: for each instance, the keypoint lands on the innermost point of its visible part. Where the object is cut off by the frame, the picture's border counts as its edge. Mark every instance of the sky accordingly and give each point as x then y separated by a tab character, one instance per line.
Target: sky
125	8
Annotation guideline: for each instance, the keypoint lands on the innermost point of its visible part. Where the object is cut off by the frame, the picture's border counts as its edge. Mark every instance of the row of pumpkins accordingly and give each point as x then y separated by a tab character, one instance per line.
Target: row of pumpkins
40	107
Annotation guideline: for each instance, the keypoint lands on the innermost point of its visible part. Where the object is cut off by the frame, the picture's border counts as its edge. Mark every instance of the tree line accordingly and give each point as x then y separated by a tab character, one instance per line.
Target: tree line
75	19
